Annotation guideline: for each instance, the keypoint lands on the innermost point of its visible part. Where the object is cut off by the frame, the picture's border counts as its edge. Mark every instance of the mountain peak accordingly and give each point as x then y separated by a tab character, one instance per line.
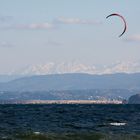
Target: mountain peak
74	67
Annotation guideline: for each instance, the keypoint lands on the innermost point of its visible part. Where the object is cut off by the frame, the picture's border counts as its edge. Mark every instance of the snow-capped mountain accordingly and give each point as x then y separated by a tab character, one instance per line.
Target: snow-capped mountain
60	68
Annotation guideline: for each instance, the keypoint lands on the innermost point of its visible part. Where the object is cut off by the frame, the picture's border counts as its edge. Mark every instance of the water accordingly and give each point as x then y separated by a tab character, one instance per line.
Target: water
66	121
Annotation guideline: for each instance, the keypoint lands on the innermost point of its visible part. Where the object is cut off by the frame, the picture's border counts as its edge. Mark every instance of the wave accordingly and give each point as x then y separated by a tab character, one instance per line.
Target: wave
117	124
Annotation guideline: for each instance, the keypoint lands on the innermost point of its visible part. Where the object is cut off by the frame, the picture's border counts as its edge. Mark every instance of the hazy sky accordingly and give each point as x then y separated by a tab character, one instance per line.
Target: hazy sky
40	31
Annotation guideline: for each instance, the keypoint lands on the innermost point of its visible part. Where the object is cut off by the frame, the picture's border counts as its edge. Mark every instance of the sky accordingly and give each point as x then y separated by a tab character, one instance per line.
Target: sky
36	32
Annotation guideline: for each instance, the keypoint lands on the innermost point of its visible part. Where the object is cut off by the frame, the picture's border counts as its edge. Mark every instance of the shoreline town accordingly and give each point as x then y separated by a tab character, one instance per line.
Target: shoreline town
61	102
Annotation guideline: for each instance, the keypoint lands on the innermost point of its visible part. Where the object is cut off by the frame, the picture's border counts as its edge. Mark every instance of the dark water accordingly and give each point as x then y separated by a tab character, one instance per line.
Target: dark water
41	120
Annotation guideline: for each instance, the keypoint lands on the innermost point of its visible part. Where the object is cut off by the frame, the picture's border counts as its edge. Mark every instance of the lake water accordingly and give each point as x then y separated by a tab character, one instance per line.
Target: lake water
65	121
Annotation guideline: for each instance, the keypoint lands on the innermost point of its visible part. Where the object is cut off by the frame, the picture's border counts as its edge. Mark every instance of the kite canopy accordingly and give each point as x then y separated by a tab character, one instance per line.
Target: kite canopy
125	25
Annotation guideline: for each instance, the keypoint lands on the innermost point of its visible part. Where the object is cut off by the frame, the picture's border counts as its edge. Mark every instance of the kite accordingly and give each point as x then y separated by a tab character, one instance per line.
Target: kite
123	19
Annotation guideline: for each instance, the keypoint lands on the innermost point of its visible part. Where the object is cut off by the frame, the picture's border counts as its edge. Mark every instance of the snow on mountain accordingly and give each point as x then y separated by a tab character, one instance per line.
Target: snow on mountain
122	67
59	68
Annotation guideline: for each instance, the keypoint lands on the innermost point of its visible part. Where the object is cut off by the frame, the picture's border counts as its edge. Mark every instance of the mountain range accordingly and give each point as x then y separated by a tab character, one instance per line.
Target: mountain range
72	86
75	67
76	81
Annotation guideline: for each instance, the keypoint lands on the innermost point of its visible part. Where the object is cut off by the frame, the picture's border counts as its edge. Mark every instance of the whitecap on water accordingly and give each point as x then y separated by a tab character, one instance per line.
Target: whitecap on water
117	124
37	133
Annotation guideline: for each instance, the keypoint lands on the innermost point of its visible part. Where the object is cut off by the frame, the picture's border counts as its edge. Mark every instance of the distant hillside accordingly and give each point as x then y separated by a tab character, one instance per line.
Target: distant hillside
135	99
7	78
92	94
73	82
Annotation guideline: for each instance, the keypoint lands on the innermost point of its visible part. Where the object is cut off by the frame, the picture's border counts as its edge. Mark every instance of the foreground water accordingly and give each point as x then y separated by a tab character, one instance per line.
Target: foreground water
70	122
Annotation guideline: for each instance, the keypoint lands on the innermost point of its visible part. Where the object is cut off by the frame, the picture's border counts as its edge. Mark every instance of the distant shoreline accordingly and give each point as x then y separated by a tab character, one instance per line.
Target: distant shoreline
60	102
